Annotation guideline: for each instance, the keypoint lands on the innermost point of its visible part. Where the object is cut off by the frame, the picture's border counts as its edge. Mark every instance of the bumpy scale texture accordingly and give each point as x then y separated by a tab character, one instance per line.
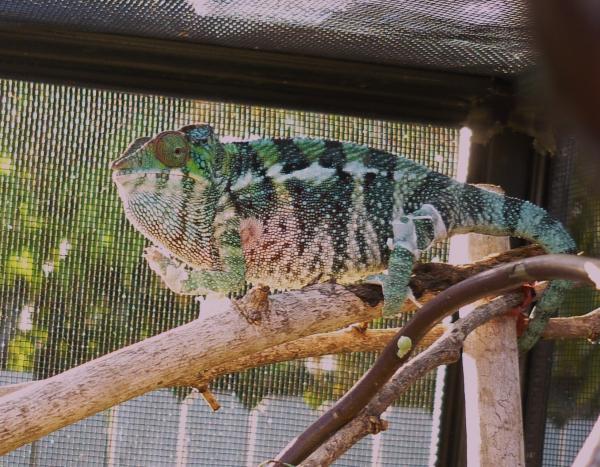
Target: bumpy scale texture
289	212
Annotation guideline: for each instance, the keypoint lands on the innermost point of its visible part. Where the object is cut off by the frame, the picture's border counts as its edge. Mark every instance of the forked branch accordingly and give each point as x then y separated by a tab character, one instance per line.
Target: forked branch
489	283
444	351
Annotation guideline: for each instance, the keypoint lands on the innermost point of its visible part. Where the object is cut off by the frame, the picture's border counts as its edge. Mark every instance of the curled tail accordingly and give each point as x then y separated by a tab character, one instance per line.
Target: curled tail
466	208
490	213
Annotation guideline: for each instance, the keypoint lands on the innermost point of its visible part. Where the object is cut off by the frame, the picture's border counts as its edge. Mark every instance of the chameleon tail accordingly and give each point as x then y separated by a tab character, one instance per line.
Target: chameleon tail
495	214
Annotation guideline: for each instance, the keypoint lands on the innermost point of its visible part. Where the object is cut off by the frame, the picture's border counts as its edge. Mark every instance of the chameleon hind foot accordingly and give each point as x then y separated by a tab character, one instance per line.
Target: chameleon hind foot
521	311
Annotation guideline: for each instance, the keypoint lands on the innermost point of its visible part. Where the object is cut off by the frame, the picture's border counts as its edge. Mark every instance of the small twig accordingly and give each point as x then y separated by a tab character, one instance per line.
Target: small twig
444	351
209	398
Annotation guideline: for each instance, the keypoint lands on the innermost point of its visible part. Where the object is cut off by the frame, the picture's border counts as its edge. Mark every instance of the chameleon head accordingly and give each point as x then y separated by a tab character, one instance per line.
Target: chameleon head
169	190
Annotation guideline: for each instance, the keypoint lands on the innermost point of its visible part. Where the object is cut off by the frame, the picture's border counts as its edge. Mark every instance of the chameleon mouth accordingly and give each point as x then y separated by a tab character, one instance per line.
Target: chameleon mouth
125	175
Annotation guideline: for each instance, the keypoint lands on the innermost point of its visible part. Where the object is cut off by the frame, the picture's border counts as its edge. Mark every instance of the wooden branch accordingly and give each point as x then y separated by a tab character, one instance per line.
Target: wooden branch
217	337
444	351
575	327
31	410
350	340
8	388
429	279
492	387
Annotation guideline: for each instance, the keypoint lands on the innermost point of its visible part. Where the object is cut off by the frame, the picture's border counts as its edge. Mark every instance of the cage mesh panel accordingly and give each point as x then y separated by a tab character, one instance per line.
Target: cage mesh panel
473	36
574	402
73	284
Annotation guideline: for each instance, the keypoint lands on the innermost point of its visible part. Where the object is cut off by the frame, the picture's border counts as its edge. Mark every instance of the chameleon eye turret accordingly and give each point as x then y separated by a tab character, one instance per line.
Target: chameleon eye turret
199	133
172	148
129	158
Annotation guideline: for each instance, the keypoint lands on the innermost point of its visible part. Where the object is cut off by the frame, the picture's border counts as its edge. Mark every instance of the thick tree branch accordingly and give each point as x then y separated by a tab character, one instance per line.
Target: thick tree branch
167	359
427	281
216	339
351	340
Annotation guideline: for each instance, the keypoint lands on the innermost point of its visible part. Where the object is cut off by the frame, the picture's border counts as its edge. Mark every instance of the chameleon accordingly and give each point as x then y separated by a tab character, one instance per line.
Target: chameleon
290	212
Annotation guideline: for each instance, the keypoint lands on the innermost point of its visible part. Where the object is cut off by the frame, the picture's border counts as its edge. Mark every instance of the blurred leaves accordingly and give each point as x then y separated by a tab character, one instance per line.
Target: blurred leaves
73	285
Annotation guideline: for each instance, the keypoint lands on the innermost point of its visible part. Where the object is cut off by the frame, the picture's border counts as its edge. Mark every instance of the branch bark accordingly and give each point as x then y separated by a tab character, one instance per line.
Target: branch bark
214	339
444	351
351	340
427	281
38	408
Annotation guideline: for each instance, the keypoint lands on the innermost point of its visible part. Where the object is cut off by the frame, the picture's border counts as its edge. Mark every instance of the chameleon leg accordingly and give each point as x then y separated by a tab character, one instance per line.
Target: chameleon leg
412	233
185	280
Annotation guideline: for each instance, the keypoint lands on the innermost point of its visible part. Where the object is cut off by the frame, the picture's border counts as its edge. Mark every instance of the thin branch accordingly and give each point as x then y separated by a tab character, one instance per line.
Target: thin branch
444	351
488	283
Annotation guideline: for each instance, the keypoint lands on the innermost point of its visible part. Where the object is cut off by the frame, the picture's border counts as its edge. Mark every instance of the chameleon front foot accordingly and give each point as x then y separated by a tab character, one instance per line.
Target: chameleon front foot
186	280
394	294
361	327
173	273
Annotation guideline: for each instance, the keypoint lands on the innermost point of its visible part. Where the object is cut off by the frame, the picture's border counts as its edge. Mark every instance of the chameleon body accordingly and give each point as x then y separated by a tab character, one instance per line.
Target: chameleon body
290	212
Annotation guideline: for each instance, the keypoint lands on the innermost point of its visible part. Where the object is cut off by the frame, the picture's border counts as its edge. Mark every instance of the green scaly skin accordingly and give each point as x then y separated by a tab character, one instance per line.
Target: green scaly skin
289	212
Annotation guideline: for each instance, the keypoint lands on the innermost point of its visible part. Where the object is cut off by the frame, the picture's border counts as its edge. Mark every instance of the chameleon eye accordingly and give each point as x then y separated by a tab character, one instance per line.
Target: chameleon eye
172	148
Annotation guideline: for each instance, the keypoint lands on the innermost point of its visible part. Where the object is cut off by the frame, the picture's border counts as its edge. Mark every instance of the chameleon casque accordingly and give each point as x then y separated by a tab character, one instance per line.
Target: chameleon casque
290	212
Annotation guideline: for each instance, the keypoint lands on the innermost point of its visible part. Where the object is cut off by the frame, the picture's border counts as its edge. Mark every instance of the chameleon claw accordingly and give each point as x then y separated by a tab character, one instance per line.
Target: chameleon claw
361	328
377	425
520	311
411	296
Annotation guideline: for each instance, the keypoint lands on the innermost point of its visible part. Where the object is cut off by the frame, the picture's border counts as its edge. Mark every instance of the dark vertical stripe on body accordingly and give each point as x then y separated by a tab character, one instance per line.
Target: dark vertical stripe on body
472	205
292	158
341	208
187	185
381	160
246	161
378	191
300	195
431	190
334	156
257	200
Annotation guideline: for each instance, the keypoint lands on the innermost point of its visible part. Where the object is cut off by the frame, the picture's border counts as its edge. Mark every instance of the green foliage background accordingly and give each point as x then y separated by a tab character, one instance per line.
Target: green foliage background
73	285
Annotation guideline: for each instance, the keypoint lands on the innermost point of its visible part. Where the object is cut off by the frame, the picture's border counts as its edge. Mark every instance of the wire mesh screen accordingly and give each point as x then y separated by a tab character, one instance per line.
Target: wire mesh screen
472	36
574	402
74	286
